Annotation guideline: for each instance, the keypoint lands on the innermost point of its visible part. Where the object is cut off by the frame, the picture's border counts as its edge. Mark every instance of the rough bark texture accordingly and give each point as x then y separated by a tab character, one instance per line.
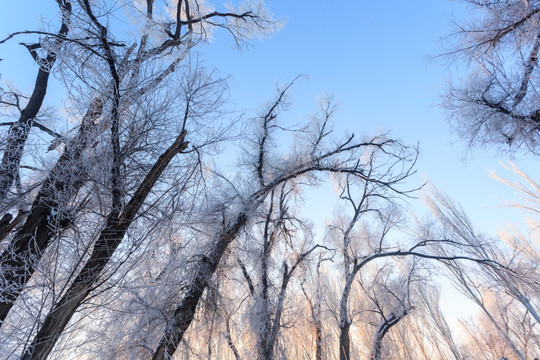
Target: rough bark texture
318	340
25	250
344	323
110	238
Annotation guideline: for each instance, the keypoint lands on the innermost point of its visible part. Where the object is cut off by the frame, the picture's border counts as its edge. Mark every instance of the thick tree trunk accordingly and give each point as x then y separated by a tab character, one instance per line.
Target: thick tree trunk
318	340
18	261
110	238
265	353
344	341
18	133
8	224
264	349
205	268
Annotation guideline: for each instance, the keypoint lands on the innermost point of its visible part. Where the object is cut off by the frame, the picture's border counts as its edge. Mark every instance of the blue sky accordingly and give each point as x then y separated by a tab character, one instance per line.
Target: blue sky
370	54
373	56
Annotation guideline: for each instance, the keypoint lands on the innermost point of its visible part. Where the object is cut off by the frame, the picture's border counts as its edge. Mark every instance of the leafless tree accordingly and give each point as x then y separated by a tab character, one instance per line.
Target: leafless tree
315	300
498	104
130	237
312	154
107	167
513	277
361	242
284	239
392	300
113	77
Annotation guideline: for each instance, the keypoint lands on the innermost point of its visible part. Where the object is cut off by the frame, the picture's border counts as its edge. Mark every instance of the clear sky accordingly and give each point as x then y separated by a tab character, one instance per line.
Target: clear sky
370	54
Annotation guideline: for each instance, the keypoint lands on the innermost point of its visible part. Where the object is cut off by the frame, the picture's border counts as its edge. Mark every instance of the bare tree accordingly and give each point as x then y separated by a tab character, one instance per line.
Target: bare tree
312	154
284	239
393	303
126	239
315	301
112	79
107	169
484	337
458	228
365	246
427	334
116	226
498	104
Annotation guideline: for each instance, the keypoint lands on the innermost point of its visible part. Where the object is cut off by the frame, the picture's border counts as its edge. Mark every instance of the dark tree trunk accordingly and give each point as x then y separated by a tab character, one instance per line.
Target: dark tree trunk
344	342
382	330
109	240
17	262
205	268
344	323
318	341
18	133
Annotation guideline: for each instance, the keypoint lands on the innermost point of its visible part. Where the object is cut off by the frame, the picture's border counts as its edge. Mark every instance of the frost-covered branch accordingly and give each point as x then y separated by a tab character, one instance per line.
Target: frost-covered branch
19	131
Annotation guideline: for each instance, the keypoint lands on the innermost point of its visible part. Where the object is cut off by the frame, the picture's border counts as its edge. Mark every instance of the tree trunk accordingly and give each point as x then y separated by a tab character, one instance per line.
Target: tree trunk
18	133
344	323
344	341
205	268
318	340
109	240
383	328
264	332
66	178
229	339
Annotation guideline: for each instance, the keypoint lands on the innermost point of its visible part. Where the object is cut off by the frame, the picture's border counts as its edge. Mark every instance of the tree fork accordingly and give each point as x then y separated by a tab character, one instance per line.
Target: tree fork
383	328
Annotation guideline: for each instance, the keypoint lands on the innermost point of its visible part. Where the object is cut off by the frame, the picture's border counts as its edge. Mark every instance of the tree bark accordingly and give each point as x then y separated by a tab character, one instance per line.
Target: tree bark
25	250
318	340
18	133
344	323
272	326
383	328
344	342
109	240
205	268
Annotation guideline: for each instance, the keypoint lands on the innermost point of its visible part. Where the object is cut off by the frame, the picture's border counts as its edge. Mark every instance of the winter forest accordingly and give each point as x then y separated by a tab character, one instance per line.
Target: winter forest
147	214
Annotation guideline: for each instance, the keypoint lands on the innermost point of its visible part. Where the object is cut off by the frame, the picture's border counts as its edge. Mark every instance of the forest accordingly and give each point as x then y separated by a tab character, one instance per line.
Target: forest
144	215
